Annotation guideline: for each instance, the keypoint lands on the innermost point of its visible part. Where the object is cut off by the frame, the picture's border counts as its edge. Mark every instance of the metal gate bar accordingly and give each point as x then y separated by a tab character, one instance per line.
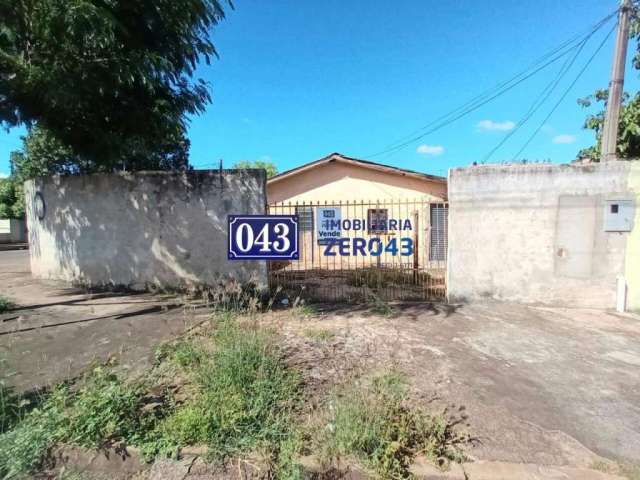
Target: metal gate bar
315	276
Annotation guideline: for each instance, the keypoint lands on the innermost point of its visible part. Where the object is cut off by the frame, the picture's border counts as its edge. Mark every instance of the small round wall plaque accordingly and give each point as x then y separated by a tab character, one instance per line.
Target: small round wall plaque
39	206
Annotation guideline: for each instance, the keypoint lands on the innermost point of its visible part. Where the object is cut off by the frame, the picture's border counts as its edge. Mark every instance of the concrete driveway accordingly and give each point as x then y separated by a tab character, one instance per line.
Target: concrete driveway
548	386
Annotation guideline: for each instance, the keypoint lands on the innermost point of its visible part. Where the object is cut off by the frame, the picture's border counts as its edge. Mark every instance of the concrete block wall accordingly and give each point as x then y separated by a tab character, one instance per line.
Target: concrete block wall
140	229
535	234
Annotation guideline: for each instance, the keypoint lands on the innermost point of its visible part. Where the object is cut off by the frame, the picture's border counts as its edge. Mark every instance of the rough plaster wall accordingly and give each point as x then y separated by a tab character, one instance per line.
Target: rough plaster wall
165	229
534	233
632	267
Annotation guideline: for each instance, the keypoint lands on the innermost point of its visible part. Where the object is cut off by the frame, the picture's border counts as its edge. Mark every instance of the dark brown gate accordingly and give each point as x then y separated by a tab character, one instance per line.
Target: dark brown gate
360	278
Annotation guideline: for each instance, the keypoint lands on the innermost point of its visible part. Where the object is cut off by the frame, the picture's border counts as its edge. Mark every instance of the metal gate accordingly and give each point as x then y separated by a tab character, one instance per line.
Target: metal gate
377	264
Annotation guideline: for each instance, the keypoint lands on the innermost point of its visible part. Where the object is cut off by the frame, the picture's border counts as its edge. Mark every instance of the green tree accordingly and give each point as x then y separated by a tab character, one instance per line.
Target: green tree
43	154
112	80
270	167
628	144
11	198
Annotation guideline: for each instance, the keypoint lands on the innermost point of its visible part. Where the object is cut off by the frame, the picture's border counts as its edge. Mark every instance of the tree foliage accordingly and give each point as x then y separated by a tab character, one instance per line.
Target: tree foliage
628	144
11	198
270	167
112	81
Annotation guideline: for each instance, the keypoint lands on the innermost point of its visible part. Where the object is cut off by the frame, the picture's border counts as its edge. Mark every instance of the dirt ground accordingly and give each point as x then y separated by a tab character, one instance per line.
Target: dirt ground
535	385
540	385
55	331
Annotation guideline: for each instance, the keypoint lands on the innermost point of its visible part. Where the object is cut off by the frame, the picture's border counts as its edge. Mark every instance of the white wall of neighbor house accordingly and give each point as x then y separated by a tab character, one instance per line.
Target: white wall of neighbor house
12	230
537	233
142	229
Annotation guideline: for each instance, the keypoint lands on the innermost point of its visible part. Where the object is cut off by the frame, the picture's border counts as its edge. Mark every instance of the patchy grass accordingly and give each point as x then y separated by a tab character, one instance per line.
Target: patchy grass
380	306
5	304
184	353
23	447
227	388
373	425
10	406
253	391
320	335
243	399
102	410
304	310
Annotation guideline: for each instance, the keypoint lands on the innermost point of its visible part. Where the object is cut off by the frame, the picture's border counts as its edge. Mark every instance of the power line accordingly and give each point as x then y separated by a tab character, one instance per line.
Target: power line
494	92
464	112
565	93
540	99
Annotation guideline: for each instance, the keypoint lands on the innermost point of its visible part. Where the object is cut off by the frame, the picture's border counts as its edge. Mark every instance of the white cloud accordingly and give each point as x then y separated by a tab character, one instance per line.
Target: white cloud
430	149
4	175
564	138
491	126
548	129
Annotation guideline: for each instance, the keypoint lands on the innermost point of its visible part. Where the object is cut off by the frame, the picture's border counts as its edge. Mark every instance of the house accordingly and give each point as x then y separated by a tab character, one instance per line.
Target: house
339	197
338	177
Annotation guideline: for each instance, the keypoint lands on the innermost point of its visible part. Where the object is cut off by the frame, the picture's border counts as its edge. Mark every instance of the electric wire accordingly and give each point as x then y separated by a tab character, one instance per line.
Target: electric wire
540	99
490	94
565	93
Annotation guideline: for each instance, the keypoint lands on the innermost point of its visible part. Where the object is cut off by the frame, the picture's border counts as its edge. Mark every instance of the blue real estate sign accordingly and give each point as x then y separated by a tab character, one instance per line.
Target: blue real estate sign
263	237
328	224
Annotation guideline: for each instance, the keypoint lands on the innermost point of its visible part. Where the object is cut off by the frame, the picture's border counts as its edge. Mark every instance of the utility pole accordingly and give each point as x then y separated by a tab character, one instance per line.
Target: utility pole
616	86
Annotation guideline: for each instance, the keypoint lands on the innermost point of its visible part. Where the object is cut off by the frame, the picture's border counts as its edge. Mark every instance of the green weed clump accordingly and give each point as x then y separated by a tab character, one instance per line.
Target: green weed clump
10	407
320	335
373	425
102	410
242	398
380	306
22	447
5	304
246	395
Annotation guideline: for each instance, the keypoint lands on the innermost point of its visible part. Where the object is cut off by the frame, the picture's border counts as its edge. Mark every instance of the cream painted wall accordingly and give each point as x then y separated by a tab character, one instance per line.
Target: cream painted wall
341	182
632	265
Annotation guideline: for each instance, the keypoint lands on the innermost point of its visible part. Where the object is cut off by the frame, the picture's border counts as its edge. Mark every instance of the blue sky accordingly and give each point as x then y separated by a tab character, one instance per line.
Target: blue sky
297	80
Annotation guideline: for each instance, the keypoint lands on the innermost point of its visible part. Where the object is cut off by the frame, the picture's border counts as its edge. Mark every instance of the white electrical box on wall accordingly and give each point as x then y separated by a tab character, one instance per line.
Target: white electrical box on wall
618	215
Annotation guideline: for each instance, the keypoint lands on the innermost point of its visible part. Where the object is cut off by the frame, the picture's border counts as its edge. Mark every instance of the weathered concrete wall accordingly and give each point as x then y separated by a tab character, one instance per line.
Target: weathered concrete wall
164	229
535	233
12	231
